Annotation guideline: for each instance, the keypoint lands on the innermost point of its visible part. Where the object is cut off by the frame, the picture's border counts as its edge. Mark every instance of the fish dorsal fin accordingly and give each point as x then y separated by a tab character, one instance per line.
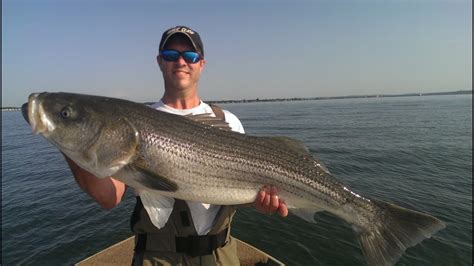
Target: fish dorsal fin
298	147
210	121
294	144
319	164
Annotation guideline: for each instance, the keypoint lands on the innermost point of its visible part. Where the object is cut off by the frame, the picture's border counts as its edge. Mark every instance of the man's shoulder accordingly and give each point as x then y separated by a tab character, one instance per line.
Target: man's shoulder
230	118
227	113
210	105
230	115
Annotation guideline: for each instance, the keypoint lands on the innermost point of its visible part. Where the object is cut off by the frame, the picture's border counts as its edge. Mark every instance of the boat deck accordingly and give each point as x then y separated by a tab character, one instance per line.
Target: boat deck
121	254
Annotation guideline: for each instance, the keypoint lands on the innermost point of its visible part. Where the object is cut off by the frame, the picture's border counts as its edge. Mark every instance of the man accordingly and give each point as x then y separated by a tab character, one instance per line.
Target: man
170	231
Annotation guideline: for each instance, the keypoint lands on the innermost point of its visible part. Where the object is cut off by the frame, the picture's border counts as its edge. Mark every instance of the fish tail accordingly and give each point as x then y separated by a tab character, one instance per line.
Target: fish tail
385	240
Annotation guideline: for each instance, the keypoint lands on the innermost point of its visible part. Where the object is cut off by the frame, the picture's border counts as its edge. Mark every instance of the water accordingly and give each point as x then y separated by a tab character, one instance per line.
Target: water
412	151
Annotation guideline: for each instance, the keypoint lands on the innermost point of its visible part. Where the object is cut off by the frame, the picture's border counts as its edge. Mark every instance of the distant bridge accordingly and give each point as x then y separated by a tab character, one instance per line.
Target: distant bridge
9	109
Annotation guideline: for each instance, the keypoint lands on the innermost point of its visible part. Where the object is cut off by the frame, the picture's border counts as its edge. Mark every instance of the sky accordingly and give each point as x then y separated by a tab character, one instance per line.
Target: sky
254	49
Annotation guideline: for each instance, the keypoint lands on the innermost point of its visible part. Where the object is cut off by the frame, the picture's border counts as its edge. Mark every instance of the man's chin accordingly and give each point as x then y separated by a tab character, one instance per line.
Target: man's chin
181	85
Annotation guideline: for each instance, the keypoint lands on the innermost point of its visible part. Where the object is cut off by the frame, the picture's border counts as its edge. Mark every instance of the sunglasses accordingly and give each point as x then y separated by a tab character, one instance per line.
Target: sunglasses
190	57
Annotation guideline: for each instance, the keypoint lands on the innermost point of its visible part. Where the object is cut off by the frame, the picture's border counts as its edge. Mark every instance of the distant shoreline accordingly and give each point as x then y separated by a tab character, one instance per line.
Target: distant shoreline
314	98
459	92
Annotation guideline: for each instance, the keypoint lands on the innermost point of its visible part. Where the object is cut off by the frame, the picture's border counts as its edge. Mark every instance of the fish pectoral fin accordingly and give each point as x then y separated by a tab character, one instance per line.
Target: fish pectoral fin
306	214
152	180
208	120
108	158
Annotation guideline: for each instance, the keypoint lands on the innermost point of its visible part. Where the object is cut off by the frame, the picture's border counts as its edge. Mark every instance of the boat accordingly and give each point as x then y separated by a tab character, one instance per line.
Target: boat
121	253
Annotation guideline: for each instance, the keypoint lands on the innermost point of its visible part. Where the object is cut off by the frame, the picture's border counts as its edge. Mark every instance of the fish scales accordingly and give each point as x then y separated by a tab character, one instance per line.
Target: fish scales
242	152
194	137
253	155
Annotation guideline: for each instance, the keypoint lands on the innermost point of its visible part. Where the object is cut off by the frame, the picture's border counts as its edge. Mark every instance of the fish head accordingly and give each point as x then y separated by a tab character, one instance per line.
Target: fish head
64	120
83	129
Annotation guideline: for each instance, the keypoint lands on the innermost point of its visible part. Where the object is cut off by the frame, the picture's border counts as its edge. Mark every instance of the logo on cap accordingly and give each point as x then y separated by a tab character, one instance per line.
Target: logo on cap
180	29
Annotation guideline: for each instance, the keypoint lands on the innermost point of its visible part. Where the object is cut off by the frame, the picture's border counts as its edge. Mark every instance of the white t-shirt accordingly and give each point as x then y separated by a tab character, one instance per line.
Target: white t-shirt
159	207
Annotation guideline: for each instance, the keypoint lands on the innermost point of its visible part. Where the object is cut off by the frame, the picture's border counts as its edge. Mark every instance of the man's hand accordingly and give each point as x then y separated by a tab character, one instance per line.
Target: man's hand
268	202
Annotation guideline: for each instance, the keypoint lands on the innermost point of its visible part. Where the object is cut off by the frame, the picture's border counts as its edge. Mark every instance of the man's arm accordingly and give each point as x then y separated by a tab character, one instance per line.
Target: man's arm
108	192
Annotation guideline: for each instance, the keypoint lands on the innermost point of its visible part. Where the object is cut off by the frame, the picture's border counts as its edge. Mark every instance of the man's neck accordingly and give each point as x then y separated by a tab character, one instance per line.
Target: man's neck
181	101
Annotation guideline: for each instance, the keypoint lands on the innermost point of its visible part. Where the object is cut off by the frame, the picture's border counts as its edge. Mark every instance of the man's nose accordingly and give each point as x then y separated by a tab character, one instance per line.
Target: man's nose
181	61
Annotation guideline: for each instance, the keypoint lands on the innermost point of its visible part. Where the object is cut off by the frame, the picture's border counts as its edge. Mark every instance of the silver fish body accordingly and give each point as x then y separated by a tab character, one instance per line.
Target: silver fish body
186	158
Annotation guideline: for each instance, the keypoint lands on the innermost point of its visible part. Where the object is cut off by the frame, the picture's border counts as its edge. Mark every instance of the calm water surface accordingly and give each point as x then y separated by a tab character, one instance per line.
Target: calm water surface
412	151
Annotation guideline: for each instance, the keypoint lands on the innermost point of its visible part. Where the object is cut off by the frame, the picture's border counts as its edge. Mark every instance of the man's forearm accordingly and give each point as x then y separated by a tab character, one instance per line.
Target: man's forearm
107	191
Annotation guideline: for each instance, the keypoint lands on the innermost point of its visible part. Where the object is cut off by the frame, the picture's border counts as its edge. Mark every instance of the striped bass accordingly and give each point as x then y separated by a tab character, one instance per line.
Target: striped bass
196	158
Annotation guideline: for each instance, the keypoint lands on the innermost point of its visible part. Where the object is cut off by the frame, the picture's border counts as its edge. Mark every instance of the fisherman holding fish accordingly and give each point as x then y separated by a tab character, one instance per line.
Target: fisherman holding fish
170	231
186	153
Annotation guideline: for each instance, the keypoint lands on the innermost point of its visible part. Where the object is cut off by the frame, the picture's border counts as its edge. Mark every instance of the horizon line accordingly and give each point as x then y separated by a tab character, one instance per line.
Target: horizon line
319	98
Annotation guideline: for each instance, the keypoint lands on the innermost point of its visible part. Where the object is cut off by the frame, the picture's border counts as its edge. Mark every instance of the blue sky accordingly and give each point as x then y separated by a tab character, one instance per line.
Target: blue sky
254	49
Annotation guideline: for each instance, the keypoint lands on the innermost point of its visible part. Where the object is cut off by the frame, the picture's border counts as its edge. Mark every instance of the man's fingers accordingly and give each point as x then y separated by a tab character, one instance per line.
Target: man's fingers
274	200
260	197
266	201
282	209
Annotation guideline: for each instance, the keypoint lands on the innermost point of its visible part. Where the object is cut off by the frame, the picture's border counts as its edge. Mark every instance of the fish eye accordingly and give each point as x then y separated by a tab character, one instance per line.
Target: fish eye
66	112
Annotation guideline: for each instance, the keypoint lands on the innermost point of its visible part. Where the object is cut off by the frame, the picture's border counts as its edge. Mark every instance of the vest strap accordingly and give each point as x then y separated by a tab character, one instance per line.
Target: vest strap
218	111
140	244
192	246
200	245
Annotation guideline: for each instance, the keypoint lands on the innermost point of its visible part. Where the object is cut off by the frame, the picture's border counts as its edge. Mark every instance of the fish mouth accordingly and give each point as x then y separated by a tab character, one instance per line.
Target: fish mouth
24	112
34	114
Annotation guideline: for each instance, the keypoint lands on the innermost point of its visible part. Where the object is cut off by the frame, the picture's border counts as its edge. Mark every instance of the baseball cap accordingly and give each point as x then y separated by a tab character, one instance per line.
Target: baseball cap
192	35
